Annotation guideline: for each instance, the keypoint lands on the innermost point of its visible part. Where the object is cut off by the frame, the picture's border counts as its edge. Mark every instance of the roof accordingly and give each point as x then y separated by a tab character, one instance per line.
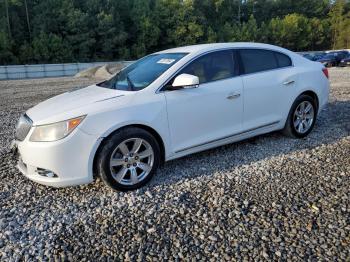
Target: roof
208	47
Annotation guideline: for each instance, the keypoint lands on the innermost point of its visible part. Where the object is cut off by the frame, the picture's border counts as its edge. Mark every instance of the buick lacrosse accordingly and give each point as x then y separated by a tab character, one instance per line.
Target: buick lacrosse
167	105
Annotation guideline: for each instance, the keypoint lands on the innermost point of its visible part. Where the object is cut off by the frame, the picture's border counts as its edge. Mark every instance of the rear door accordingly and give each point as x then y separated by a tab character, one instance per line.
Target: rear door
268	80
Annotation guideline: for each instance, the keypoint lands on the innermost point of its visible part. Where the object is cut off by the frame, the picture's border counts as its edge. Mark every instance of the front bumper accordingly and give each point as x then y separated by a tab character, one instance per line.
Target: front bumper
62	163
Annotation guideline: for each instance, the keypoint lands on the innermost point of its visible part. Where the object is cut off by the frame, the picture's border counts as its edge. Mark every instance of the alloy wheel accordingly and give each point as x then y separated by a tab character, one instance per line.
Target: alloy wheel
303	117
131	161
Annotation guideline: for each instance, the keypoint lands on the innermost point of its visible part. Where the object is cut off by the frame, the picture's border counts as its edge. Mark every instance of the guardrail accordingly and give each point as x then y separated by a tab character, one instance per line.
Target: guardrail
46	70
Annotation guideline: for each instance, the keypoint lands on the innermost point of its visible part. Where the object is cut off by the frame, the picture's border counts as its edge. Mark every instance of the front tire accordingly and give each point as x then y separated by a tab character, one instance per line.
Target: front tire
301	118
128	159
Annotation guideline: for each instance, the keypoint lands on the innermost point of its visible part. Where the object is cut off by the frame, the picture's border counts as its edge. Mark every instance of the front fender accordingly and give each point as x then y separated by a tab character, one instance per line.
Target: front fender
151	114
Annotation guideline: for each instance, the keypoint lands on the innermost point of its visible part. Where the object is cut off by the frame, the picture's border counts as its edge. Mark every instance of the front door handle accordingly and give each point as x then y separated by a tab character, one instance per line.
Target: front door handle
233	96
288	82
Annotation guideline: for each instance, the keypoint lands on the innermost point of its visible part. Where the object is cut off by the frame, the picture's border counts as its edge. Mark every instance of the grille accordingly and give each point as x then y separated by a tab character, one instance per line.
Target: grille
23	126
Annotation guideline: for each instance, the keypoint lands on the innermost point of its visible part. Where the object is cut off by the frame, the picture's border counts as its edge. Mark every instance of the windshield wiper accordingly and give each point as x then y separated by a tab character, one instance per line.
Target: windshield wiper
131	85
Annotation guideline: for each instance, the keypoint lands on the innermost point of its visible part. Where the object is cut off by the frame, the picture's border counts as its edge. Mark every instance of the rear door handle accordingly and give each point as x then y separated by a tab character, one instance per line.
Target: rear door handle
233	96
288	82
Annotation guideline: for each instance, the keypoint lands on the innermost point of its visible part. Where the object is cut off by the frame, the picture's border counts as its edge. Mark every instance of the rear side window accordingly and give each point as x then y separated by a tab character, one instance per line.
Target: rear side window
212	67
283	60
257	60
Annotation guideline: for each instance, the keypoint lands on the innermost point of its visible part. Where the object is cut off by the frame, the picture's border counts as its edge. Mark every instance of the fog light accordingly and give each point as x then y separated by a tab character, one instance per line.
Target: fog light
45	172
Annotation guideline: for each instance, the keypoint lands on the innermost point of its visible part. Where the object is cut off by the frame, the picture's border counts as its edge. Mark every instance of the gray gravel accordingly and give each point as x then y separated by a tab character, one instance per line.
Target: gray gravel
267	198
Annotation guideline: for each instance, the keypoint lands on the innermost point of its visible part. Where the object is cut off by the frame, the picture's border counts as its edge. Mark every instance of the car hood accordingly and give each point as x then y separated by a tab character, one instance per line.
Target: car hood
60	107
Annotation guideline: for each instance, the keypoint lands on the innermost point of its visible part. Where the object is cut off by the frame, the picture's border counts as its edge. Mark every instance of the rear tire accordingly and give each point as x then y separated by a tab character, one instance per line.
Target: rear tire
301	118
128	159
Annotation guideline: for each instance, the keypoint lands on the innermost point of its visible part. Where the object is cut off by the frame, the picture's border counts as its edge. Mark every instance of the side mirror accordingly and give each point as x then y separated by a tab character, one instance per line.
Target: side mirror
186	81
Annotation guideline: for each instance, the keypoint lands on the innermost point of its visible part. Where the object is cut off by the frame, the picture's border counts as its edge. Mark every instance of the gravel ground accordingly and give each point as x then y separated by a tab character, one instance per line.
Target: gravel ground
267	198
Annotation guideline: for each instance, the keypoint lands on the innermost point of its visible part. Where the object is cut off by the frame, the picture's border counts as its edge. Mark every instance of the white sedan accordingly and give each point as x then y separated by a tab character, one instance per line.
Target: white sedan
167	105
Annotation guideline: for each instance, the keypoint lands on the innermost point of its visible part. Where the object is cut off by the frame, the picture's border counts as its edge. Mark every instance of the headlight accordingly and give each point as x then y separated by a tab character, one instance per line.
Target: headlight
55	131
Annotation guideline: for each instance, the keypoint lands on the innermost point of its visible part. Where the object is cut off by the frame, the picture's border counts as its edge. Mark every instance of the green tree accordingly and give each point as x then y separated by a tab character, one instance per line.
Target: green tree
318	34
8	17
188	29
145	27
89	30
336	16
6	55
249	31
211	35
50	47
345	36
293	32
264	35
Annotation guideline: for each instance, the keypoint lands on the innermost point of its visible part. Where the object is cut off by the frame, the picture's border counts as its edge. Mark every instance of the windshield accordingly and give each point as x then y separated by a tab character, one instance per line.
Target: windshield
143	72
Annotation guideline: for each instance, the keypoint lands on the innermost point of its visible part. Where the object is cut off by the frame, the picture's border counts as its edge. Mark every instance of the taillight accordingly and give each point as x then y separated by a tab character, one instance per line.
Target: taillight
325	71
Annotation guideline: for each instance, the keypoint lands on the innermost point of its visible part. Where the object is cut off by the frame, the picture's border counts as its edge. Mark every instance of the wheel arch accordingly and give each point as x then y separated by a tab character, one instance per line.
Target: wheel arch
314	95
142	126
308	92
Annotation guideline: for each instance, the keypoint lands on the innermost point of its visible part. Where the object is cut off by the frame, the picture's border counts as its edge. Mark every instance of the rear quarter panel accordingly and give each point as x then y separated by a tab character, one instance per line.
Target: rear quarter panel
311	78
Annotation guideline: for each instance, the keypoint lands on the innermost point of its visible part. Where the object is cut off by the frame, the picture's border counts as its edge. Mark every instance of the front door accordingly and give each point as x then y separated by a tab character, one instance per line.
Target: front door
210	112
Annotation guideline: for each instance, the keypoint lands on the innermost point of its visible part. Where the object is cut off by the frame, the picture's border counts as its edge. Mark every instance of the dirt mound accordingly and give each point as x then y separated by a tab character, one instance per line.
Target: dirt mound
90	72
115	68
102	72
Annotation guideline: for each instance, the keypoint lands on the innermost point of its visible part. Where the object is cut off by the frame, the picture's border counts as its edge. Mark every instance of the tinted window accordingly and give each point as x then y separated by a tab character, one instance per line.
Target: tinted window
257	60
212	67
284	60
341	54
329	56
143	72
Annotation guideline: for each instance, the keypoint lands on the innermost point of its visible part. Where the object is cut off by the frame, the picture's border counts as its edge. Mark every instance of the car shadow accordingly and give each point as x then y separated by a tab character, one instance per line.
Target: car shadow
332	125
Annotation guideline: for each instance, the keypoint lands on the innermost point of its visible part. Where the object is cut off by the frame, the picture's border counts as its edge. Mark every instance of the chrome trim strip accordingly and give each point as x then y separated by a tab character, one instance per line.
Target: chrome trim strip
230	136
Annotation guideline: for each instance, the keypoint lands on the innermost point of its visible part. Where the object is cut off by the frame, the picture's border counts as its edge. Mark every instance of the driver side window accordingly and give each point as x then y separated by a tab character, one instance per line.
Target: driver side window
212	67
